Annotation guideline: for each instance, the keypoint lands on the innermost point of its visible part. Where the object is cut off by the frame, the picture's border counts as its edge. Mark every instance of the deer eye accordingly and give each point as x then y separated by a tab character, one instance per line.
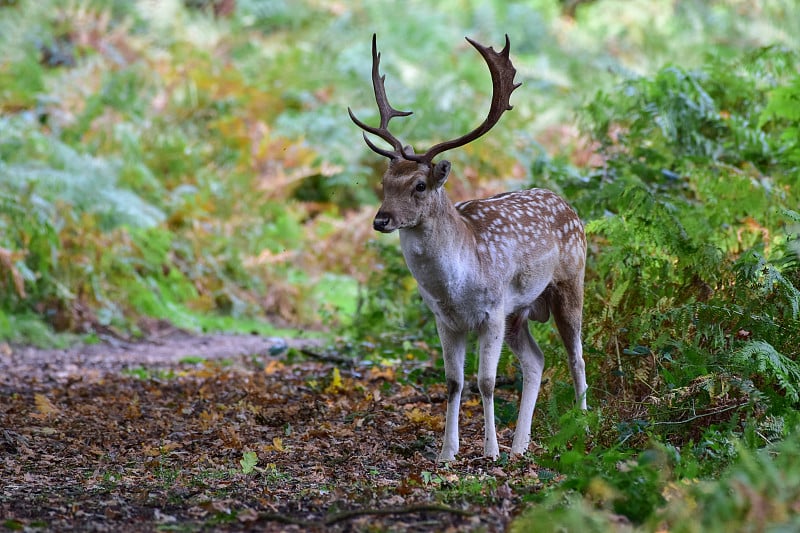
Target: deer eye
420	186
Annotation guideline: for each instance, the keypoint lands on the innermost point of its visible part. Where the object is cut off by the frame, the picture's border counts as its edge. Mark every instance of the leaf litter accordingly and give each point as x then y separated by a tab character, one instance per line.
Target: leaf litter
145	437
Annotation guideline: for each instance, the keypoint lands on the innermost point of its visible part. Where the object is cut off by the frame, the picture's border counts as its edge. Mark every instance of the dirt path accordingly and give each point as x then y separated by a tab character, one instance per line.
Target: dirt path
244	440
164	350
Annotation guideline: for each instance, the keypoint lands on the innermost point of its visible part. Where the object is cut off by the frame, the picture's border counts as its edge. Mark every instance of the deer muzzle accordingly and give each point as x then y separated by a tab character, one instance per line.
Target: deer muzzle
382	222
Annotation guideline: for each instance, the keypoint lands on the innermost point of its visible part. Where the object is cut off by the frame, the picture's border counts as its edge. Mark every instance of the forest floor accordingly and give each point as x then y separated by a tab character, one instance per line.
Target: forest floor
235	432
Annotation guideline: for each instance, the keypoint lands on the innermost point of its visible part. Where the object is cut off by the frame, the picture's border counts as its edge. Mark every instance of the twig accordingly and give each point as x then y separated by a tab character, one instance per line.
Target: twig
286	519
619	368
695	417
420	398
328	358
472	388
403	509
355	513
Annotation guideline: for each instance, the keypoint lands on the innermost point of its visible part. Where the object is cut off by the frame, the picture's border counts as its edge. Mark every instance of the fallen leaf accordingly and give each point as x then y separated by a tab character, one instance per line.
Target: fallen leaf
272	367
384	372
44	405
336	382
248	461
418	416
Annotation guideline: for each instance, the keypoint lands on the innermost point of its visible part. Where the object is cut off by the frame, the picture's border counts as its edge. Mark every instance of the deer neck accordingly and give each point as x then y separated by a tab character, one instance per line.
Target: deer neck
439	251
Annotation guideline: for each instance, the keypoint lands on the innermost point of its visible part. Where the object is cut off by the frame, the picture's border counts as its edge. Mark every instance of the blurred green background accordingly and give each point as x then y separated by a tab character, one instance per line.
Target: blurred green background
193	160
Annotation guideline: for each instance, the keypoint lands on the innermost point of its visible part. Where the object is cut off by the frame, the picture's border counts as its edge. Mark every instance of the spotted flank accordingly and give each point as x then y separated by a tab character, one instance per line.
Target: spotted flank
536	217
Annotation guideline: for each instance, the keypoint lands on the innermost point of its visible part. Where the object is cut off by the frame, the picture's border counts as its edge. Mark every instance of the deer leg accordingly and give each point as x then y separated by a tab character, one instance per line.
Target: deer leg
453	347
491	341
567	308
531	362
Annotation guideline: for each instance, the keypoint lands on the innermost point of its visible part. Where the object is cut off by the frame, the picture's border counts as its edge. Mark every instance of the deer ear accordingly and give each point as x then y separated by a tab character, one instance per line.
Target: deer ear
440	172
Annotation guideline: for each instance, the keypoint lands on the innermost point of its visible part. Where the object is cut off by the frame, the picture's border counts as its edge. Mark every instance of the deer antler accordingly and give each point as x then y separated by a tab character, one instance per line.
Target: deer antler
387	112
502	71
503	85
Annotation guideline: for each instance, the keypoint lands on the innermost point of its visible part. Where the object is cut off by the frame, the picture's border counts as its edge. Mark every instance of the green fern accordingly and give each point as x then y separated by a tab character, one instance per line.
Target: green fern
59	173
768	281
761	358
783	110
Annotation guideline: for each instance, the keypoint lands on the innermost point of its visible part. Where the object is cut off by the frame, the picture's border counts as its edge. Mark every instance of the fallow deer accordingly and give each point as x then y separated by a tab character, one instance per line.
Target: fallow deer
486	265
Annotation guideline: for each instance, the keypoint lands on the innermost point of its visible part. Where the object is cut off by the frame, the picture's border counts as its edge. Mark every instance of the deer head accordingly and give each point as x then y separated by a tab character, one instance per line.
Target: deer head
412	185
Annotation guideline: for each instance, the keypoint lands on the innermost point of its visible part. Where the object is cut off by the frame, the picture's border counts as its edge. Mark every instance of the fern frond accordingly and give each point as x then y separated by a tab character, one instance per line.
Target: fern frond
768	280
59	174
761	357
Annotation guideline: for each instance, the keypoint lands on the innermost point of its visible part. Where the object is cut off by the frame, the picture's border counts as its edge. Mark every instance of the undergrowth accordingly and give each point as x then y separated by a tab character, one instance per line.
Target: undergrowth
692	300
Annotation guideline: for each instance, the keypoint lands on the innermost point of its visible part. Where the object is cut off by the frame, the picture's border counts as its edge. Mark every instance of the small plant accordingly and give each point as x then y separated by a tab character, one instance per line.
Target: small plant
248	462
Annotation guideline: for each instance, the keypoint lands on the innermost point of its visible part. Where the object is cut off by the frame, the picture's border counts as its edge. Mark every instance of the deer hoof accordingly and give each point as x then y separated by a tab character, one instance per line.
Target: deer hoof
446	456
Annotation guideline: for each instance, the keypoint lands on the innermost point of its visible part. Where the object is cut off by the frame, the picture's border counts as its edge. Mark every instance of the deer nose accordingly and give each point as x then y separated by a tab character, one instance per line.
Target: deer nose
381	221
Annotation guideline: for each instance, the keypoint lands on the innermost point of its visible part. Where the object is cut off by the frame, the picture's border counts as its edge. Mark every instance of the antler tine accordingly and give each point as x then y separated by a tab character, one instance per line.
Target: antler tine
503	72
387	112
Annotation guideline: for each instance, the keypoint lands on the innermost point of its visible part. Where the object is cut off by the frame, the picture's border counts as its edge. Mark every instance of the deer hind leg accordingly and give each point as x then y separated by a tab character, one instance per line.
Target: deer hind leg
453	347
567	308
531	361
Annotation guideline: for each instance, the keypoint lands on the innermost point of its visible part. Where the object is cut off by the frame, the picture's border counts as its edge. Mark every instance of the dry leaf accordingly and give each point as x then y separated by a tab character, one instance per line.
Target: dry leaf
417	416
336	382
272	367
44	405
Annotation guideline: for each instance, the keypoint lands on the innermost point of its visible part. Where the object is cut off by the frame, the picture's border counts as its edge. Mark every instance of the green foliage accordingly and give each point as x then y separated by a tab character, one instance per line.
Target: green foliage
759	358
53	171
757	492
29	328
692	291
692	253
783	111
390	293
627	482
126	116
132	189
248	462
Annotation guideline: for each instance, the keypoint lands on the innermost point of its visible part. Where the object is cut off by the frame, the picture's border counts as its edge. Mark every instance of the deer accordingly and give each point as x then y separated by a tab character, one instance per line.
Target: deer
486	265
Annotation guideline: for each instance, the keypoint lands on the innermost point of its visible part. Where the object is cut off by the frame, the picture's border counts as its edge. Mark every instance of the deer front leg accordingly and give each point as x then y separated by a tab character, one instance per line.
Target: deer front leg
453	348
490	341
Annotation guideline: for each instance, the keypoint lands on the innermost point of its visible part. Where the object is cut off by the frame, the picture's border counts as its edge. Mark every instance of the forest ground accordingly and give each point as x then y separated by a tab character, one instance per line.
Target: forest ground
186	432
